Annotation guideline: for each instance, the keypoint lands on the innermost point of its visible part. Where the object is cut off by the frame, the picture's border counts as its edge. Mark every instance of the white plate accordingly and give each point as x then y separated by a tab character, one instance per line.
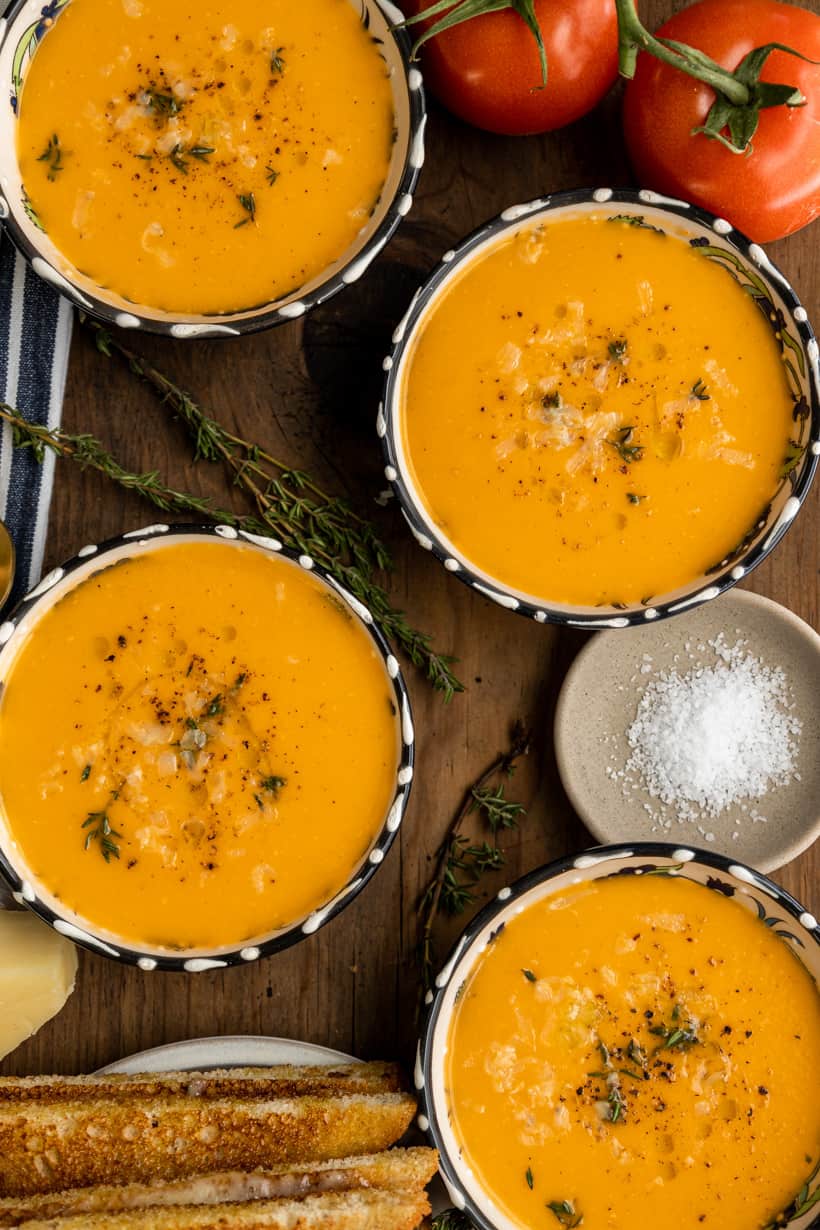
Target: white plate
245	1051
232	1051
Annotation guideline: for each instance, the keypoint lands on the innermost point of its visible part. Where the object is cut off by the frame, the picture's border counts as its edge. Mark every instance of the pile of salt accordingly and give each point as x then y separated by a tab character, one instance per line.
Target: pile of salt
714	736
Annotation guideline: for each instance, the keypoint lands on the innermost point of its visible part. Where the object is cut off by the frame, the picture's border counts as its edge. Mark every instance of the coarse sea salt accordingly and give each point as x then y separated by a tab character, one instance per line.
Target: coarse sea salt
712	737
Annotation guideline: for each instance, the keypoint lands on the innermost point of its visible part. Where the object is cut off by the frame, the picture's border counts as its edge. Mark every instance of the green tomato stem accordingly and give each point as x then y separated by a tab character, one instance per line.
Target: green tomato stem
634	37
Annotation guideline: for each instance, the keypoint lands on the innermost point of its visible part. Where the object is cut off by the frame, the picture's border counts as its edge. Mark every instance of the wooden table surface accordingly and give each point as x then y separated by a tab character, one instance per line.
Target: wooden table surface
308	391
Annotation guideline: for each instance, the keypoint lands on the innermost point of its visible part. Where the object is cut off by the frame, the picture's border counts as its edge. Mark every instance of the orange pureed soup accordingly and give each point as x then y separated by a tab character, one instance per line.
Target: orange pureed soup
205	157
229	721
594	412
638	1051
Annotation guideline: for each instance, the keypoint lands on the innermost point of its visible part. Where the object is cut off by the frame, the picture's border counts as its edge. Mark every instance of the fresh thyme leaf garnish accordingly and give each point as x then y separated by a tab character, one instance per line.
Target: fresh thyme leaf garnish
551	401
460	865
98	826
622	443
636	1054
617	349
634	498
145	157
53	155
635	1076
288	504
273	784
162	103
528	1176
699	391
675	1036
86	773
498	811
215	706
277	64
176	156
248	202
529	975
564	1211
617	1105
271	174
180	154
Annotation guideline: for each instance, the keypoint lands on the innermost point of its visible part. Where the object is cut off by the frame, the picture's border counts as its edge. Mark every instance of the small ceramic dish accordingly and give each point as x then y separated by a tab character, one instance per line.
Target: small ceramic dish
797	927
598	703
29	891
28	21
751	267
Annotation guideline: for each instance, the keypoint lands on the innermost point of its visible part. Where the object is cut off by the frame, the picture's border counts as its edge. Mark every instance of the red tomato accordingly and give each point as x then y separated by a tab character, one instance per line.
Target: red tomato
487	71
769	192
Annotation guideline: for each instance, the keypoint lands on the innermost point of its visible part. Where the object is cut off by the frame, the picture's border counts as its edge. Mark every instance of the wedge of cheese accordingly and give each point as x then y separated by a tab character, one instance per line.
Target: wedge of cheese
37	972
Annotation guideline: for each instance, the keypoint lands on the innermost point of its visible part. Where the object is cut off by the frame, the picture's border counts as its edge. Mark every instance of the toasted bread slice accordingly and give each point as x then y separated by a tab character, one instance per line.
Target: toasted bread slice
397	1170
282	1081
50	1148
360	1210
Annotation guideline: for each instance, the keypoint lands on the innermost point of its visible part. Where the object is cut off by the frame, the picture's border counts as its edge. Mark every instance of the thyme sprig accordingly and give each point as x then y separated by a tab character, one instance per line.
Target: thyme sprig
459	864
292	507
98	826
340	551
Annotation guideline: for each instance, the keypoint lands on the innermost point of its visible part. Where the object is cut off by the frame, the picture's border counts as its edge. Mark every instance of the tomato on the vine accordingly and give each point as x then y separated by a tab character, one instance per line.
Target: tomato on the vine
487	70
773	188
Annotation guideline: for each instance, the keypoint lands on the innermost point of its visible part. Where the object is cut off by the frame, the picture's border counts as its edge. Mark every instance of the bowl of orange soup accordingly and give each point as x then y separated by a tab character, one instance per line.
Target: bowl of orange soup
630	1037
206	169
602	408
206	748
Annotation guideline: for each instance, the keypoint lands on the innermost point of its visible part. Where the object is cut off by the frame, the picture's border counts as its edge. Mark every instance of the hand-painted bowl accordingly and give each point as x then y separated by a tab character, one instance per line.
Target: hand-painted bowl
797	927
28	890
28	21
754	272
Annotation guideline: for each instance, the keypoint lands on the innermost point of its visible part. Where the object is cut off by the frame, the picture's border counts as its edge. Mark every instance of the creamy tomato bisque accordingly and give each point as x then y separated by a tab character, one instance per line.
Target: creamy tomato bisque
594	412
640	1051
210	157
198	745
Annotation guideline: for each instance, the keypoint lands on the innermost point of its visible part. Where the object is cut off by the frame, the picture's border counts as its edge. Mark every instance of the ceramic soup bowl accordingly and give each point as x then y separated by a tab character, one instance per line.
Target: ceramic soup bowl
797	928
29	21
746	262
318	682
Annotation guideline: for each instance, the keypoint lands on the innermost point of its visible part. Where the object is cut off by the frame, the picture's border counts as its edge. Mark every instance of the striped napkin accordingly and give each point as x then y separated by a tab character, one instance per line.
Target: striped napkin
35	336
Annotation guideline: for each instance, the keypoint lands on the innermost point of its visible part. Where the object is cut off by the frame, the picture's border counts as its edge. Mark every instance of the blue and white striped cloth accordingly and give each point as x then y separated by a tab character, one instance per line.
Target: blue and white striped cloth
35	336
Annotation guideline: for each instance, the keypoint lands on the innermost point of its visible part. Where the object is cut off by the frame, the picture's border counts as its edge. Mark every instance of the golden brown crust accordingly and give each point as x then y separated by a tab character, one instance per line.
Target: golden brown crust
397	1170
283	1081
50	1148
362	1210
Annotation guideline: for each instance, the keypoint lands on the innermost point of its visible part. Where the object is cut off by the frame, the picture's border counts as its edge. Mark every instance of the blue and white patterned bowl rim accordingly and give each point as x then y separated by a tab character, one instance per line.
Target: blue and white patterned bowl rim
394	204
658	209
717	872
91	559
